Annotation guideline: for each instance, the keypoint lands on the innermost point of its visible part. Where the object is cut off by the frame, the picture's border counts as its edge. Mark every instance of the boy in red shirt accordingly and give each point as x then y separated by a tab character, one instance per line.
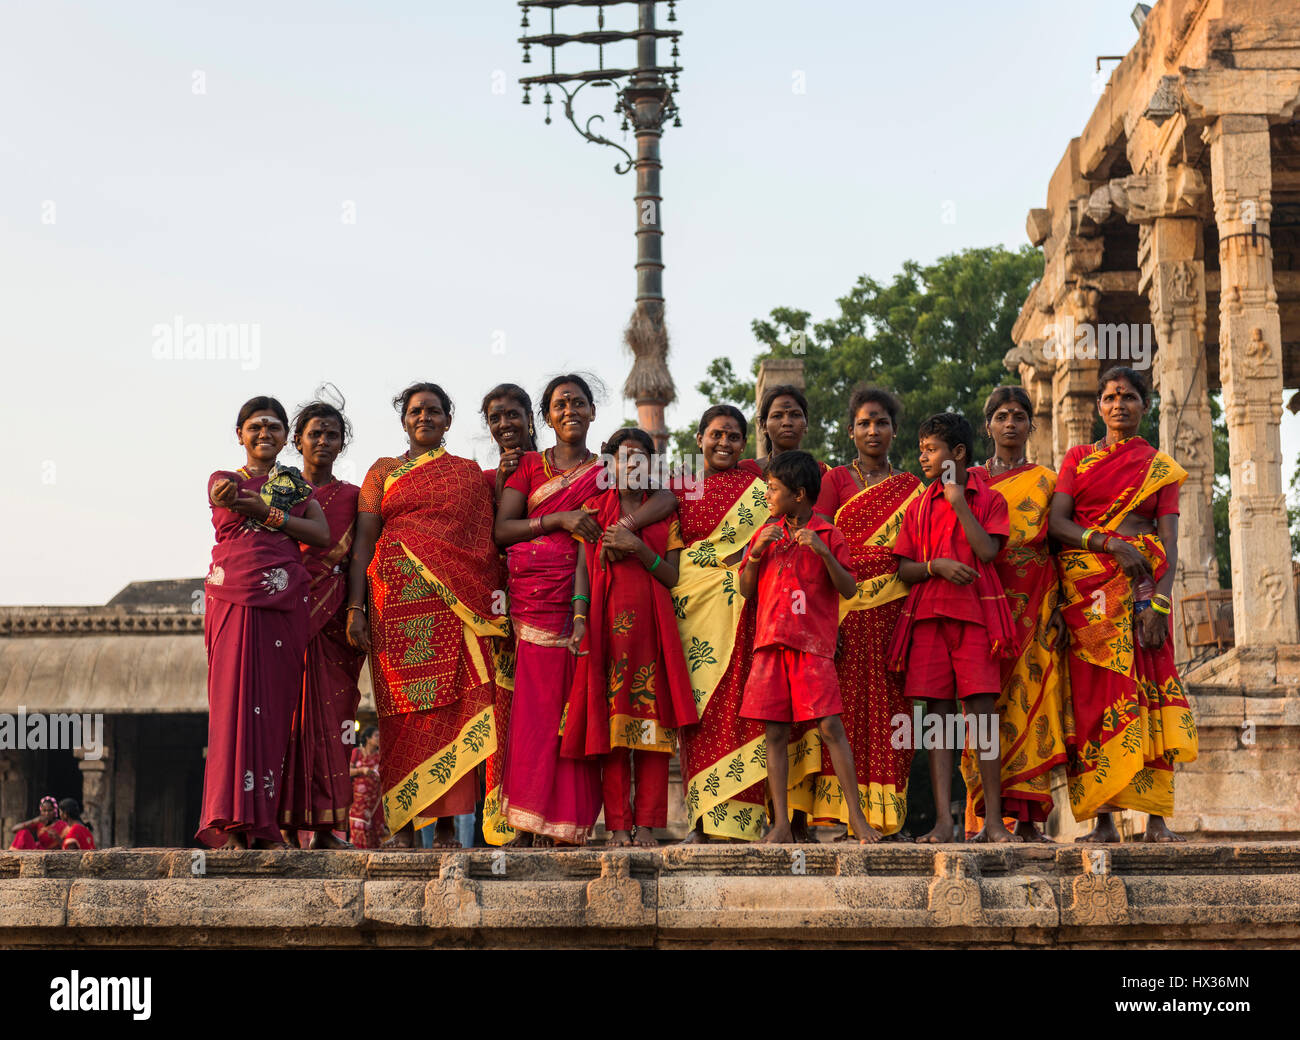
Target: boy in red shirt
955	623
798	567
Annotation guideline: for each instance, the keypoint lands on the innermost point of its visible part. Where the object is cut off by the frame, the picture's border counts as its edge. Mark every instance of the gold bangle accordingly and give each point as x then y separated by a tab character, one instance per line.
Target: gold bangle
1159	608
579	617
928	571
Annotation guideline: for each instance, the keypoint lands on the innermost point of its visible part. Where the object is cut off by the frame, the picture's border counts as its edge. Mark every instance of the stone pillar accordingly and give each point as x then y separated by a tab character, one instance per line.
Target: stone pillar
773	372
1173	268
14	796
1036	377
127	744
97	795
1074	383
1250	366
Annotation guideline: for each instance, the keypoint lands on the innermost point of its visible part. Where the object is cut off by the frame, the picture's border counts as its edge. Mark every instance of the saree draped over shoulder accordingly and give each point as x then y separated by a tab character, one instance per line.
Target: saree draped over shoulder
1032	701
541	792
255	631
317	788
436	612
1131	718
872	695
724	757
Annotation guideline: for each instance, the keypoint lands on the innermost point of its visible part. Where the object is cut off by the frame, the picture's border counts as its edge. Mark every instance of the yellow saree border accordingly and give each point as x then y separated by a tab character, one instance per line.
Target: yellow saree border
438	773
710	793
822	798
474	624
413	464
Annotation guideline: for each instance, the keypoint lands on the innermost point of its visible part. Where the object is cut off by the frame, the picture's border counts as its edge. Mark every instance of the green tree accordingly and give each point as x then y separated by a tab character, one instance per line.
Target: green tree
935	335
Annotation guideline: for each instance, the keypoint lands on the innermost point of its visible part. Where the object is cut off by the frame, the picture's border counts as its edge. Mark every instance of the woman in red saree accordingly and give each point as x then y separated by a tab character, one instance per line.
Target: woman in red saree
631	691
1032	703
77	836
424	551
366	814
724	765
867	500
255	629
317	789
1117	502
538	517
508	411
43	831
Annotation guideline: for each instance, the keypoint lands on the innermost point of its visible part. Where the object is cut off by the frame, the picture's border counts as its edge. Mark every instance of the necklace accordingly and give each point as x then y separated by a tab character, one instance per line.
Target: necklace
549	454
888	471
996	463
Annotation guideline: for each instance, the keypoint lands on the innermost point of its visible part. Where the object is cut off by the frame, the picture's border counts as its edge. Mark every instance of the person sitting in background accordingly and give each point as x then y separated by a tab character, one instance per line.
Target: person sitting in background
77	835
44	831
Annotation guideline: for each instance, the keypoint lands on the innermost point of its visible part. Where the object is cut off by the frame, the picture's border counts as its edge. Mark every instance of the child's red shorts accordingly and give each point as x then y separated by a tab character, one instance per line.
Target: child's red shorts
950	657
787	685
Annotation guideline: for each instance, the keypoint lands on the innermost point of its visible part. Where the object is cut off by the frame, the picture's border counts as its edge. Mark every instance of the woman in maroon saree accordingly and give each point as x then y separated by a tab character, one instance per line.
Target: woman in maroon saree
317	788
538	518
255	629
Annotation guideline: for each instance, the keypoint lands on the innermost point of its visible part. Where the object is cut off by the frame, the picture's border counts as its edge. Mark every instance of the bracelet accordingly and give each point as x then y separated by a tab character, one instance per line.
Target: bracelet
929	572
275	519
579	617
1105	542
1159	608
535	526
658	561
580	596
628	521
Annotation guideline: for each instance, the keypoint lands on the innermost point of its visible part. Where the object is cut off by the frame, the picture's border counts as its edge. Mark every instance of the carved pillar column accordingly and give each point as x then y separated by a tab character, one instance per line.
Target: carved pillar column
1171	252
1250	363
1074	383
97	795
1036	377
13	795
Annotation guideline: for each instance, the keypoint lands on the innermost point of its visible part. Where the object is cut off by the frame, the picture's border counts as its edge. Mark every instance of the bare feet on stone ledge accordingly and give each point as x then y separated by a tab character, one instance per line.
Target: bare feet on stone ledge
1158	831
1103	832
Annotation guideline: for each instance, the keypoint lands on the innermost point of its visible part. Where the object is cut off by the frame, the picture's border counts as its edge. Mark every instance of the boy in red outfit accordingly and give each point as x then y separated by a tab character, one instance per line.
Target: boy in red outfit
955	623
798	567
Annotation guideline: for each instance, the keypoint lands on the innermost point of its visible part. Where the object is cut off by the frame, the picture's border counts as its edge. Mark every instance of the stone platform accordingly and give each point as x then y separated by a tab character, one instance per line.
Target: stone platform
1198	895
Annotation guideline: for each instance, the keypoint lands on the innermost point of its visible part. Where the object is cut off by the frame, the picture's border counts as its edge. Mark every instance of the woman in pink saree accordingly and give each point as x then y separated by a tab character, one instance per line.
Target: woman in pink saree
317	788
538	519
255	630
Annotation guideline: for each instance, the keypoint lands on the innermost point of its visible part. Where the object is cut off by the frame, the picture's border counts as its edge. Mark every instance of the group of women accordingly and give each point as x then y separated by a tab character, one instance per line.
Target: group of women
459	584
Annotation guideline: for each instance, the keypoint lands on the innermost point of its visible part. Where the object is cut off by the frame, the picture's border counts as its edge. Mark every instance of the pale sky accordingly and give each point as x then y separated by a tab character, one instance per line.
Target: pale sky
169	159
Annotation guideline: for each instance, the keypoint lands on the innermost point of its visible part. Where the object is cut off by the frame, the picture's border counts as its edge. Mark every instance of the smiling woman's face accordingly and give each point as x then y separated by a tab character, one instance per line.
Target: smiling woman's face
507	421
425	421
570	413
263	436
721	443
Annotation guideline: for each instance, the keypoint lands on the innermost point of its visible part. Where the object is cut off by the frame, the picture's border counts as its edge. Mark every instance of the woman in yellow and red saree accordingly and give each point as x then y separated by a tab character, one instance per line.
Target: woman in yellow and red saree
1117	502
424	545
1032	703
724	763
867	500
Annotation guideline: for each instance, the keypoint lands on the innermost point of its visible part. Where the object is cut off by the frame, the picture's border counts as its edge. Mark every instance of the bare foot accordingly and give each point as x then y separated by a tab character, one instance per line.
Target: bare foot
403	839
778	835
697	835
290	837
994	831
522	840
940	834
328	840
869	835
235	840
444	834
620	839
1158	831
1027	831
543	841
799	832
645	838
1103	832
267	843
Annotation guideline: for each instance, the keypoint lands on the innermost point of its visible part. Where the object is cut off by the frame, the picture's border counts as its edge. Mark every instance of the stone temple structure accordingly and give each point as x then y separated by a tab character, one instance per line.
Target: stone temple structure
1172	227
